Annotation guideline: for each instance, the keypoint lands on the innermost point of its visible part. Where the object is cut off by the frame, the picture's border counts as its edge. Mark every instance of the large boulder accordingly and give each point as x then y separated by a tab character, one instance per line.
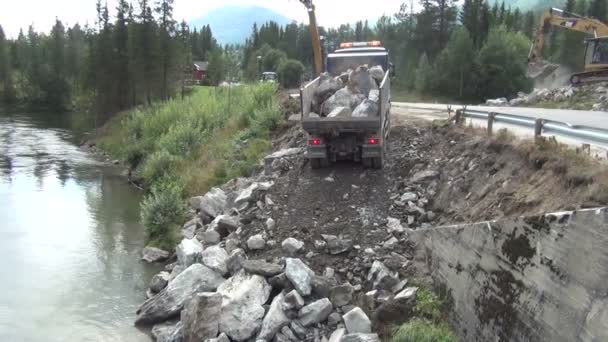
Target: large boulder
340	112
424	176
327	88
153	254
362	81
356	321
398	309
342	98
299	275
336	245
169	302
337	335
212	204
315	312
235	260
215	258
367	108
188	252
201	317
275	319
262	268
341	295
224	225
159	281
256	242
168	332
242	310
377	73
382	277
250	193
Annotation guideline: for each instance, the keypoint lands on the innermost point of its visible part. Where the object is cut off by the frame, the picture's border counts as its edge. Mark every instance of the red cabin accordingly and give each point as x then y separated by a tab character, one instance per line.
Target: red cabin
200	72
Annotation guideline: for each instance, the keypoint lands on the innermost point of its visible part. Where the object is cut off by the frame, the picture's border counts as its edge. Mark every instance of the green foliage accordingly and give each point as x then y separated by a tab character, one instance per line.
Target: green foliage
428	304
162	208
159	165
290	73
216	69
422	331
457	63
502	61
272	59
424	74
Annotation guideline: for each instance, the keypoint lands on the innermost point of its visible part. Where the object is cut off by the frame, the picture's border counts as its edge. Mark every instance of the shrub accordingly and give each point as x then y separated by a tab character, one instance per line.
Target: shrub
161	211
158	165
428	304
181	139
421	331
272	59
290	73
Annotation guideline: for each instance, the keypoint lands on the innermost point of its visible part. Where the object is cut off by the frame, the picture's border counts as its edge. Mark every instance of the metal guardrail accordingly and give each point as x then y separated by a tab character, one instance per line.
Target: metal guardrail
541	126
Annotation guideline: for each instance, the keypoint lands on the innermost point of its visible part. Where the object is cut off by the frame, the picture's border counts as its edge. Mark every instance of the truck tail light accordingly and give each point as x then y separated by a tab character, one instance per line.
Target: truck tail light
373	141
314	142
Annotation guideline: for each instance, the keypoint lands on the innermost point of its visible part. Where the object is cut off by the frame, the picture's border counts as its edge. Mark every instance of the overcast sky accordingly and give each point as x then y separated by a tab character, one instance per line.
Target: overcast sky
15	14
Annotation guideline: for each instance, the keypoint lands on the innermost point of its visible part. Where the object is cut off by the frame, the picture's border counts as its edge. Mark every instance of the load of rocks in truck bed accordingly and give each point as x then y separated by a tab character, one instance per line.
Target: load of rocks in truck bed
354	93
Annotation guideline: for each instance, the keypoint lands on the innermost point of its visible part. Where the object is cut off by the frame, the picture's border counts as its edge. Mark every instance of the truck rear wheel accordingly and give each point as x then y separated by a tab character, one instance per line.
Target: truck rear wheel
377	163
367	163
317	163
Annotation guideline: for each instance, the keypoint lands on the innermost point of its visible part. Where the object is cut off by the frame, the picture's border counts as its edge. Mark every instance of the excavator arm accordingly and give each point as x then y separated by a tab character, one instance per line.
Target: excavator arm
569	21
314	35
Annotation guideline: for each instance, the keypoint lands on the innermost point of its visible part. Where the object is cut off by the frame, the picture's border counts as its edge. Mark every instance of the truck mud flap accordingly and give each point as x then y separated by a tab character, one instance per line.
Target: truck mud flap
317	152
369	151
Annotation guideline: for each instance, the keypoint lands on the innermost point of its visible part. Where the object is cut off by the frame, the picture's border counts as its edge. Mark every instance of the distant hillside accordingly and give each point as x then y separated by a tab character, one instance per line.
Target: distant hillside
232	24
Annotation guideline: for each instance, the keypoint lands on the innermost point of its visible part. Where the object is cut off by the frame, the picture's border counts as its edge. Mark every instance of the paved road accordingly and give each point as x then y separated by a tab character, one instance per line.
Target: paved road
573	117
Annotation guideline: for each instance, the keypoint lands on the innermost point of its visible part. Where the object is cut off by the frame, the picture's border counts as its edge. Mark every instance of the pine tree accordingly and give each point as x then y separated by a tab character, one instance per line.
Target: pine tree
598	10
167	28
121	55
57	86
5	70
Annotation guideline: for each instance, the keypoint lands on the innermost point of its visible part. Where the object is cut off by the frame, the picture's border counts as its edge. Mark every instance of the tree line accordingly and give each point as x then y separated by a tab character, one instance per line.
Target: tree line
473	52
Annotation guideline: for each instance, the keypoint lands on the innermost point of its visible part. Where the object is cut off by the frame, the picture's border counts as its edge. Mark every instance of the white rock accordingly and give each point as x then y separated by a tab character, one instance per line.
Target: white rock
213	203
249	194
377	73
340	112
293	301
274	320
159	281
169	302
201	317
242	310
337	335
188	252
356	321
382	277
315	312
299	275
215	257
256	242
291	246
270	224
394	225
361	338
367	108
407	293
153	254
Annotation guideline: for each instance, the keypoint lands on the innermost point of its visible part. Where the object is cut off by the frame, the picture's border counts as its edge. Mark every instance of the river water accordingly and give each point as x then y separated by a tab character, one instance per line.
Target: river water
70	237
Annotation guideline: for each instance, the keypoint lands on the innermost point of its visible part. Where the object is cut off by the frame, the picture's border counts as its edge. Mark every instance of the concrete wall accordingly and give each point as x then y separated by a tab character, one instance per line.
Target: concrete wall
530	279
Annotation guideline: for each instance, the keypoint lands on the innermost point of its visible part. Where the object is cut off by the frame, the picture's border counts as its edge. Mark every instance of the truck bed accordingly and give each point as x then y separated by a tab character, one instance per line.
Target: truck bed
341	124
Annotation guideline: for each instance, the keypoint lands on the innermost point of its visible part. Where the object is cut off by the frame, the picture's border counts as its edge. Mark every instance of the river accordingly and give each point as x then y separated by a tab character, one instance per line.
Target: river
70	237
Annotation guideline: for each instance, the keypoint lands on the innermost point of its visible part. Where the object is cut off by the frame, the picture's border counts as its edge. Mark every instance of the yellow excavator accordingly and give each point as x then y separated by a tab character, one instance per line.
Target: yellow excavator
596	50
314	34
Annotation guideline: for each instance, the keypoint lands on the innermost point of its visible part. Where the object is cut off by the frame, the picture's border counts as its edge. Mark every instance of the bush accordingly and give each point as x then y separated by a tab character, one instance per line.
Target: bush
421	331
272	59
161	211
290	73
182	139
428	304
158	165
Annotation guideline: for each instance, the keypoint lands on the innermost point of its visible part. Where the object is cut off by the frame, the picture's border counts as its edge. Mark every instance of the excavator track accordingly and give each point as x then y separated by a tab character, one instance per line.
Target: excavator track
588	77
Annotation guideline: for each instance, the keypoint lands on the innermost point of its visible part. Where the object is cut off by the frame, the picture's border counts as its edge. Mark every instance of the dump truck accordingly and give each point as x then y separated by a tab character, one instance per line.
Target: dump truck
361	139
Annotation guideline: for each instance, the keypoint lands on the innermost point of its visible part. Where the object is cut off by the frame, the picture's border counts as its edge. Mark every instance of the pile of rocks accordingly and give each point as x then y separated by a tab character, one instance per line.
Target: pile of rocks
353	93
227	282
592	97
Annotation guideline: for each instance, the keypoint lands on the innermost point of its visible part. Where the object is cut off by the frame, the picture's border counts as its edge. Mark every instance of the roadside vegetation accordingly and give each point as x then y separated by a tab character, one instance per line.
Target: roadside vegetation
429	324
183	147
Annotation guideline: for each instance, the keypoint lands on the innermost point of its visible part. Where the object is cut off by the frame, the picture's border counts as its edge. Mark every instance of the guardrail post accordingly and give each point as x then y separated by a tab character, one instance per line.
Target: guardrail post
538	128
458	116
491	118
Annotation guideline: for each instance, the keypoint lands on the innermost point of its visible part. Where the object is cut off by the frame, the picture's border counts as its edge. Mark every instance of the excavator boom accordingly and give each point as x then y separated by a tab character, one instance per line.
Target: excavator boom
314	35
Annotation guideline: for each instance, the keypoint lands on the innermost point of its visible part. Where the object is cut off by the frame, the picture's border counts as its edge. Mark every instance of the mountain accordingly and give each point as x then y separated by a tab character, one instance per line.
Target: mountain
232	24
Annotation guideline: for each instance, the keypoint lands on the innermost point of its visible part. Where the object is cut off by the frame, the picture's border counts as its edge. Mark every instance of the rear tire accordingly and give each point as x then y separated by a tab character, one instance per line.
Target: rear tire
377	163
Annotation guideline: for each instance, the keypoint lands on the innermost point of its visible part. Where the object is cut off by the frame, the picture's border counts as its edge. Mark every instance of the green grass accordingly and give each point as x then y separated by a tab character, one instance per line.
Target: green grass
428	304
418	330
192	144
